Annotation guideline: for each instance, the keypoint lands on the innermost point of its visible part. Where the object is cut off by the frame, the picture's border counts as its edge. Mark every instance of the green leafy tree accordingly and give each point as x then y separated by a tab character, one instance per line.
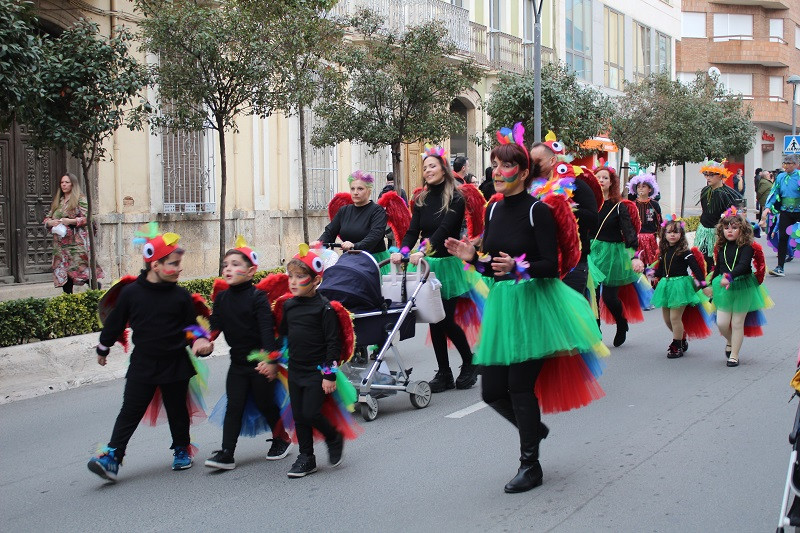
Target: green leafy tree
217	62
575	112
20	55
399	89
87	84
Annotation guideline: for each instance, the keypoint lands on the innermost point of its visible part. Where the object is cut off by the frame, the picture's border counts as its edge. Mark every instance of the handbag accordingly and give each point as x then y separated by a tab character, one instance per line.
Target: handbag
430	309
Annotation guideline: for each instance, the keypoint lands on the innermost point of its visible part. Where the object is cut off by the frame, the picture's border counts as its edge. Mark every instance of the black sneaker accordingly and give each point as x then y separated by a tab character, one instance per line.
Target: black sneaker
442	381
685	345
222	459
278	450
467	377
303	466
336	450
674	351
622	331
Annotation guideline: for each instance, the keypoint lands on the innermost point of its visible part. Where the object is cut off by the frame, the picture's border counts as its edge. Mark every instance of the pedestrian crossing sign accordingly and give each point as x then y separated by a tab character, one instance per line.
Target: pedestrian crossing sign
791	144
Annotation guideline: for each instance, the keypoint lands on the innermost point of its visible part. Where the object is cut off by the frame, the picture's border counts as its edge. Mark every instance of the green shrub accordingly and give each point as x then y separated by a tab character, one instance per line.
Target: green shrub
692	223
71	314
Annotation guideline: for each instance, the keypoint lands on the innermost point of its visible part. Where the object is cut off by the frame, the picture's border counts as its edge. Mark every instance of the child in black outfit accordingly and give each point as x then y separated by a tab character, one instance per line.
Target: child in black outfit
313	331
243	314
158	311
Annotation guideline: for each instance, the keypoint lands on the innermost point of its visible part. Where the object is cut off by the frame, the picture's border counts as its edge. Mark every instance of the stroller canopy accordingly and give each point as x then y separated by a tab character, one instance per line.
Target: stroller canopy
355	281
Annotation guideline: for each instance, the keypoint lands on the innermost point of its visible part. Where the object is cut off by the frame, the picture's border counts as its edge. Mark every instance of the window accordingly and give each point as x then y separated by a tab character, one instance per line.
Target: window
457	3
694	25
641	51
776	30
776	88
686	77
663	53
187	172
494	15
797	37
728	27
738	83
579	37
322	167
614	63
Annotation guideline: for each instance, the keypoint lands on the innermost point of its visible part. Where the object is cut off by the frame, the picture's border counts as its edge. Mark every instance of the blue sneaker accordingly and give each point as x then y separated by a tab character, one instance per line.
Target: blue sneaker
105	464
182	460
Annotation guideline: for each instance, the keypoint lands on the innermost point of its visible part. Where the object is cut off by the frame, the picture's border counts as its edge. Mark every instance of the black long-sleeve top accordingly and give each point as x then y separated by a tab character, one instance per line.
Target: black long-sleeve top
312	328
243	314
674	263
616	225
435	224
157	314
650	215
714	202
586	214
734	260
364	226
520	224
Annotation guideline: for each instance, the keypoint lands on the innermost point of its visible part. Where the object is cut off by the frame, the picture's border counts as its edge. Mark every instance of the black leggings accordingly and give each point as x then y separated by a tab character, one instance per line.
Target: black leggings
448	328
611	299
244	381
786	219
307	396
136	398
499	382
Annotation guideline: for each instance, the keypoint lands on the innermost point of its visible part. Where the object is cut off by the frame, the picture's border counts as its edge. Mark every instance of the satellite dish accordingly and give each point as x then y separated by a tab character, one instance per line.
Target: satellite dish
714	72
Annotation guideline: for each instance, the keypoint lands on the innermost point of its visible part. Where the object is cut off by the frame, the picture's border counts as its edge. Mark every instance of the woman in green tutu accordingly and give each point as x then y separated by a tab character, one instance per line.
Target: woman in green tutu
539	341
357	220
611	261
438	213
736	289
679	277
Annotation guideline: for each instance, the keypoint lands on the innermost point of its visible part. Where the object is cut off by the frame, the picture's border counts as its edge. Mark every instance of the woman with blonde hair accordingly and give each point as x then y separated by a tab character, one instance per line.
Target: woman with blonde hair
66	220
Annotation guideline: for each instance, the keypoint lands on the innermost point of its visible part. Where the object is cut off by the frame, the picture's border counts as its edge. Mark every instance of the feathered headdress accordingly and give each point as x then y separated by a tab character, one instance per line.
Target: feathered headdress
649	179
673	218
435	150
241	246
602	164
732	211
713	167
360	175
310	259
155	246
516	135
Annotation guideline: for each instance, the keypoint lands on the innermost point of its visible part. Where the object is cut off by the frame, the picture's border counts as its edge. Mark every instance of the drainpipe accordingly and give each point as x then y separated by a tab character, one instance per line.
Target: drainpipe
115	150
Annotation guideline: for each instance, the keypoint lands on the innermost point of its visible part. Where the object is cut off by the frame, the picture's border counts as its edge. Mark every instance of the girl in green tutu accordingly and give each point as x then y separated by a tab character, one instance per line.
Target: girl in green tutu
438	213
539	341
679	276
736	289
611	261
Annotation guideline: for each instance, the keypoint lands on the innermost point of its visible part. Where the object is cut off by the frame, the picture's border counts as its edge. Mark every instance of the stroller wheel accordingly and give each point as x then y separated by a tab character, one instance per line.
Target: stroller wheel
369	408
421	395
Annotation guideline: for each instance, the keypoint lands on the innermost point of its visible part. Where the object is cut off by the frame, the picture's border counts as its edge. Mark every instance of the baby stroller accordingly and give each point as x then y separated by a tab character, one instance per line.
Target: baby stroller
790	507
355	281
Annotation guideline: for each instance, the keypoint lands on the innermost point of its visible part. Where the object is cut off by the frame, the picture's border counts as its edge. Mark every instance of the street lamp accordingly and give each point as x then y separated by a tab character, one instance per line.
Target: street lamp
793	80
537	71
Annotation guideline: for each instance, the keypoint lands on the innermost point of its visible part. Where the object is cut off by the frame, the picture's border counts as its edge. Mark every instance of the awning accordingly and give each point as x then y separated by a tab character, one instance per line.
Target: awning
599	143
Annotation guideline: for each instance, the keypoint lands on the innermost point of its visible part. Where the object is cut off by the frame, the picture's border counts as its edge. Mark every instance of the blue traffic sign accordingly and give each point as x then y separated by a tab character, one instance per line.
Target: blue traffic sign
791	144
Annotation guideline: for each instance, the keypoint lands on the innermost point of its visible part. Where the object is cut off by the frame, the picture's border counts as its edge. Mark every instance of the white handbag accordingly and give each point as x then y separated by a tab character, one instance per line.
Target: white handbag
429	299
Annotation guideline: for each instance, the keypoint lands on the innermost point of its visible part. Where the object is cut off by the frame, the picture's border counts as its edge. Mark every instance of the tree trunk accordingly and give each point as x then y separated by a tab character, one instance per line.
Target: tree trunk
86	165
396	168
683	188
303	172
222	192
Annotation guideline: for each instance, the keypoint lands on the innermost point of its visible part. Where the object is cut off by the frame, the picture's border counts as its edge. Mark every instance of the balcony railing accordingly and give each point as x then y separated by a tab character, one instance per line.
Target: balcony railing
548	55
505	51
749	50
478	42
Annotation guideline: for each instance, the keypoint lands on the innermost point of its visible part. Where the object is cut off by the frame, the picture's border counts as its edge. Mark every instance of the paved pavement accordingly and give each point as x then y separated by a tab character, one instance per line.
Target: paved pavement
676	445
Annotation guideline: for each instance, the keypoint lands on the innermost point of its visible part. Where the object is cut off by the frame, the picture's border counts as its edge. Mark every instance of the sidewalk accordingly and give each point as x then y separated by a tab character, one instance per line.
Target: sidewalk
15	291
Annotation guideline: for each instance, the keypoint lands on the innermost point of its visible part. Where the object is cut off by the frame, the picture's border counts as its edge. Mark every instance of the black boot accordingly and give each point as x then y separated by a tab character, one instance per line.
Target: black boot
622	331
467	377
504	409
442	381
529	424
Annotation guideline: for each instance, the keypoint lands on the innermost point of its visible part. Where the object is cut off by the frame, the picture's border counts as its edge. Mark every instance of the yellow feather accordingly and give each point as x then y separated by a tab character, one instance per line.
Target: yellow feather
303	249
240	242
550	136
170	238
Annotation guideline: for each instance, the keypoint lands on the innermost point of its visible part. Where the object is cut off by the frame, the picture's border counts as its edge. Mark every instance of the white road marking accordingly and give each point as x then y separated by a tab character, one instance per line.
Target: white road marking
467	410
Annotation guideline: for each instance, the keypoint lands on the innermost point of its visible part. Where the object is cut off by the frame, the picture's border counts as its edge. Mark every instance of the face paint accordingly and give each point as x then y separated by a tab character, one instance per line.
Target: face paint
509	174
305	282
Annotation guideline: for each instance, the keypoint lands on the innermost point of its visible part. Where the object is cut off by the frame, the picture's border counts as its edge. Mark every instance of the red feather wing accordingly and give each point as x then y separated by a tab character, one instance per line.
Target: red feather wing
633	211
200	305
339	200
589	178
398	214
277	311
414	195
109	300
698	256
275	285
496	197
219	286
569	244
346	329
759	262
475	209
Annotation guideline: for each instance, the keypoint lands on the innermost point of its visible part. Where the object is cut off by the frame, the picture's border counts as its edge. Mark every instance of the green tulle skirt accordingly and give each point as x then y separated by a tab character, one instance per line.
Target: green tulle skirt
705	239
743	295
677	291
534	319
450	272
382	256
610	264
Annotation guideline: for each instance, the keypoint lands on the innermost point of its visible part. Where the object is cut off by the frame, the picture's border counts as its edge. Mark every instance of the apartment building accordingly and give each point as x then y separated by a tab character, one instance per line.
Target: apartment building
754	46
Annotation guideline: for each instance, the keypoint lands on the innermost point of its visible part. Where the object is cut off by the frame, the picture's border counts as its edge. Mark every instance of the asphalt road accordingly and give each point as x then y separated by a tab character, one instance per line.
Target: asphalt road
676	445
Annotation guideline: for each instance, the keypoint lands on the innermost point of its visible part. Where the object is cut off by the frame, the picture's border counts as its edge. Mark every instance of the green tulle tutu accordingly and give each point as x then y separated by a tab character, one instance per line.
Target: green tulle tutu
677	291
610	264
743	295
705	239
382	256
450	272
534	319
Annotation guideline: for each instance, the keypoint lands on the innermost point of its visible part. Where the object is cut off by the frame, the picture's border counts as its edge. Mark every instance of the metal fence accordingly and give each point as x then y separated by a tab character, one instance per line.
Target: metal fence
187	170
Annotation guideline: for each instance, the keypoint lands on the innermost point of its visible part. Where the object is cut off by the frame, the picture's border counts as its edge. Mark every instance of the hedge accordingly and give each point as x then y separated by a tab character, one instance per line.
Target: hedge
65	315
692	223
